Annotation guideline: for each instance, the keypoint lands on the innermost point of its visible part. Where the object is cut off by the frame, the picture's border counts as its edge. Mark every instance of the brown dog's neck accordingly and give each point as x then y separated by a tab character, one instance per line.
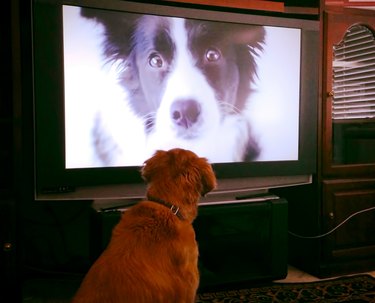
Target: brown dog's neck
174	209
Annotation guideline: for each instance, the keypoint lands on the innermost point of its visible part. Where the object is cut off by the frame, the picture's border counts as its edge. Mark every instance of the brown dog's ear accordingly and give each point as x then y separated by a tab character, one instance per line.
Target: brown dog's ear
152	166
208	177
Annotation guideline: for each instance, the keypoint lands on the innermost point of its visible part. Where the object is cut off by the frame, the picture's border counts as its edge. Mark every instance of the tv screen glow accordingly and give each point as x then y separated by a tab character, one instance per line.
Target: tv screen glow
115	80
103	129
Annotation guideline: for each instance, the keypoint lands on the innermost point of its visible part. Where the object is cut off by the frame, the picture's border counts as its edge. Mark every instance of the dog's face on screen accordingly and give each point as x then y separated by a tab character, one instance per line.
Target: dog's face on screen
188	80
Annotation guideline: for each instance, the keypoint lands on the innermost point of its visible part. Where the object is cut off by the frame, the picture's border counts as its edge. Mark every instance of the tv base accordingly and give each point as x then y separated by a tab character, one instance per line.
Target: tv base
242	242
238	242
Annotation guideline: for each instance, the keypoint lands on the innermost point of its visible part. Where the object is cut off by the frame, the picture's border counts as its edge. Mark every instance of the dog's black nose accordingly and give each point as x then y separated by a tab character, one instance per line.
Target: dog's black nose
185	112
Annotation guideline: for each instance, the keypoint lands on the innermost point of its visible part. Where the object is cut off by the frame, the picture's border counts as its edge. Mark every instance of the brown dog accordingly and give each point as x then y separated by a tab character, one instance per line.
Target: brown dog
153	255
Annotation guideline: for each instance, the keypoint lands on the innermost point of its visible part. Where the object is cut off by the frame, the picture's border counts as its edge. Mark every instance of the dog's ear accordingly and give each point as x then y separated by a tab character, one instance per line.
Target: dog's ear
198	171
154	165
253	36
118	30
207	176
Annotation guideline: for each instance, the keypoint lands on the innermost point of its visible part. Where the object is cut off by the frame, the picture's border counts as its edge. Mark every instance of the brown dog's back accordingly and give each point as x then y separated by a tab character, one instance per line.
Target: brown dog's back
153	255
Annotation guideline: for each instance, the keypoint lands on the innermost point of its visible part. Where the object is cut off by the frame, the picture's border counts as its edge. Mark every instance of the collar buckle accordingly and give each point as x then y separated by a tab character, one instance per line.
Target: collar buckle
174	209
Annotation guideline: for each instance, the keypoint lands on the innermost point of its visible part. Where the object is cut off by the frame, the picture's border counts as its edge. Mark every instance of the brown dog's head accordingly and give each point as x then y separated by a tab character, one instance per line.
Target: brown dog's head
180	177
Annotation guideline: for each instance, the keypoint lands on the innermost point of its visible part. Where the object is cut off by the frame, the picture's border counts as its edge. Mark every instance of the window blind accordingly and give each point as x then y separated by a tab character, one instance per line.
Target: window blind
354	75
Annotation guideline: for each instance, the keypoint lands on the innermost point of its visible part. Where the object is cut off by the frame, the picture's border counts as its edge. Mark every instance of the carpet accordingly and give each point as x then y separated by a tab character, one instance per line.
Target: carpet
351	289
354	289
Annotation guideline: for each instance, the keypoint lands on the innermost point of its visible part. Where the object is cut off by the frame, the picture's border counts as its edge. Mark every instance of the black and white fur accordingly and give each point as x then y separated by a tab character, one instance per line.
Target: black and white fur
188	81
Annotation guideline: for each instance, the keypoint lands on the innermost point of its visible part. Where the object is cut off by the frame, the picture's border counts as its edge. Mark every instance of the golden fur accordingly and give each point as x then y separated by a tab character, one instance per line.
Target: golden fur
153	255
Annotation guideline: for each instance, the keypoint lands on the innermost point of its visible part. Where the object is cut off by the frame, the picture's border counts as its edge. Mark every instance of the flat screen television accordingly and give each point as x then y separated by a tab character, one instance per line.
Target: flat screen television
114	81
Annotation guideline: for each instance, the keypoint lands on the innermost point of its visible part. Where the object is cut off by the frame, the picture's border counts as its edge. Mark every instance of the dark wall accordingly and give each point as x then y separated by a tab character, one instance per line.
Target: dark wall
45	238
56	237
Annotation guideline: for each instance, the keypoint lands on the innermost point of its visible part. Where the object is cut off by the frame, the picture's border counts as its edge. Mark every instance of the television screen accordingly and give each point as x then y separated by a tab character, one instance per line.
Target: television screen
114	81
229	92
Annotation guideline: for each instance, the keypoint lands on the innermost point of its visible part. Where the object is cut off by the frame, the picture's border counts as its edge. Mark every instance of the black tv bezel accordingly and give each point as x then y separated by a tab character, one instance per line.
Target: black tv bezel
50	173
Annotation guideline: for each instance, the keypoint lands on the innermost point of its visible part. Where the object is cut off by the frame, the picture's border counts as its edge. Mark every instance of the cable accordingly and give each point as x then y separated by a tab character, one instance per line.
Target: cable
335	228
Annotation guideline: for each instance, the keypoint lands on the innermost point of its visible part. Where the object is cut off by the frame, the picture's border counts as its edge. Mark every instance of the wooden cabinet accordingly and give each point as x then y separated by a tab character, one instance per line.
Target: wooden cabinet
8	247
349	204
332	222
347	175
348	132
348	147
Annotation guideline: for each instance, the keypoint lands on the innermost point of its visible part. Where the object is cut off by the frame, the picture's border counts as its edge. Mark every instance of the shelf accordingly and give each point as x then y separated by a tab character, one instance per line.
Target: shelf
244	4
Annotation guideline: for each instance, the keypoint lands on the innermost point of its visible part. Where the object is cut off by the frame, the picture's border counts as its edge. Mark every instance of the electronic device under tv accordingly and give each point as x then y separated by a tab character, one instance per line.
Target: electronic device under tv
91	140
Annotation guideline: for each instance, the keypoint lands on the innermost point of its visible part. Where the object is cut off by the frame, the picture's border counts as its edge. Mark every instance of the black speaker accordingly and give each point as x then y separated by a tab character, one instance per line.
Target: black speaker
242	242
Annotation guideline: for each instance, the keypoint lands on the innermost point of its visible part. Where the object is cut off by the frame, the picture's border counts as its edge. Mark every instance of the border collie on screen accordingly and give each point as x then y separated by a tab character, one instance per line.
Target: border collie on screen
187	80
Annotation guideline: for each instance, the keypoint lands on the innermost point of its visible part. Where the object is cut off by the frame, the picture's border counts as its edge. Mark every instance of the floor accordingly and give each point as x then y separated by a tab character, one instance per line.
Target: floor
296	275
36	291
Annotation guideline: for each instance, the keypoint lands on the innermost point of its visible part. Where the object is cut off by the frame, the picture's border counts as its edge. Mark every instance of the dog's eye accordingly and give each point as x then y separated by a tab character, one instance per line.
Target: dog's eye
155	60
212	54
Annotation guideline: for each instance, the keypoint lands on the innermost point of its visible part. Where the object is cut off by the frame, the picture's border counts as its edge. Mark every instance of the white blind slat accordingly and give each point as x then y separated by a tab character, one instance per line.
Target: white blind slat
354	75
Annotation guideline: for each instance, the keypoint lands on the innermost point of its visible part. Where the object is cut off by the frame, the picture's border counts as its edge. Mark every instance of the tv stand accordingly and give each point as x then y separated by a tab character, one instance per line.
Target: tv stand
257	197
244	241
247	199
239	240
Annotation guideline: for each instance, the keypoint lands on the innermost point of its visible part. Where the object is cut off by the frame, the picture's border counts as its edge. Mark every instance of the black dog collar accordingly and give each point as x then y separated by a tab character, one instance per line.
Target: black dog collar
174	209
